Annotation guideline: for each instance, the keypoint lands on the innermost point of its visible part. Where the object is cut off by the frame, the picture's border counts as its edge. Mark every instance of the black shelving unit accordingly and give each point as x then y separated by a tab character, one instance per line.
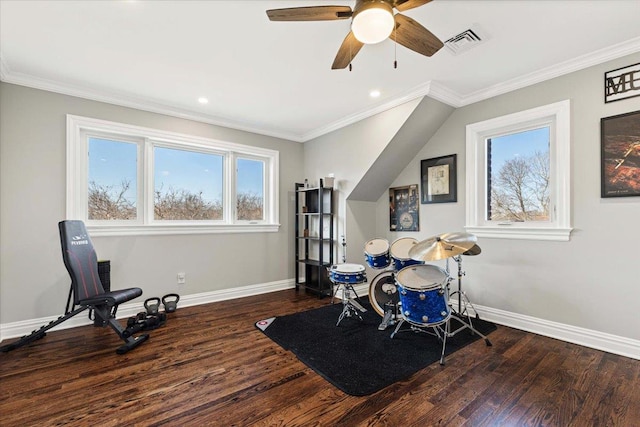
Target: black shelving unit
314	238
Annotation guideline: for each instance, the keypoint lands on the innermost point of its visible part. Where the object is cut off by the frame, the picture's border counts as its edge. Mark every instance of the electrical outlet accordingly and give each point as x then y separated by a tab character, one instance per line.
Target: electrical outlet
182	278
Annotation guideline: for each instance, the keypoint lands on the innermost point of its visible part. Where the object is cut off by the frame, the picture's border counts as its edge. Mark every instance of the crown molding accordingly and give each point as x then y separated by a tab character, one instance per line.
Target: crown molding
139	103
409	95
576	64
441	93
432	89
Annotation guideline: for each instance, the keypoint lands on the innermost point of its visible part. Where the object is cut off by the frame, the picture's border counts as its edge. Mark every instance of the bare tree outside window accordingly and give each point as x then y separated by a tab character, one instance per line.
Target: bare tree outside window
519	189
250	207
108	202
184	205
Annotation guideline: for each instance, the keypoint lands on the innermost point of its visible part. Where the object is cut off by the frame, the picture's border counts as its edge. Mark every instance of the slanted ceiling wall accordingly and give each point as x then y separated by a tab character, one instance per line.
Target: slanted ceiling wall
365	158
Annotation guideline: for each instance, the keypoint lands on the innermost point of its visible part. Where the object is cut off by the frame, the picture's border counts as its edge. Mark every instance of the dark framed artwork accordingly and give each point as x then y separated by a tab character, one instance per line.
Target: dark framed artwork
404	209
438	176
620	155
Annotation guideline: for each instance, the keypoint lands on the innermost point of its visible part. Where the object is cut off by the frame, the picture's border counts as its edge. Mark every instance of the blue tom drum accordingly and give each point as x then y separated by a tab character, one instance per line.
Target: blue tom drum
376	253
400	253
423	296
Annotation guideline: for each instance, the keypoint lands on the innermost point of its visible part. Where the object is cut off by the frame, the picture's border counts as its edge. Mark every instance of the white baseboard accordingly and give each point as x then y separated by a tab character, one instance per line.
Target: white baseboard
24	327
586	337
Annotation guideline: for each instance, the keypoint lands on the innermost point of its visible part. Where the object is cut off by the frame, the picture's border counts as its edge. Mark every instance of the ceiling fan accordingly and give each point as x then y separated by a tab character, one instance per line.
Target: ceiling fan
372	22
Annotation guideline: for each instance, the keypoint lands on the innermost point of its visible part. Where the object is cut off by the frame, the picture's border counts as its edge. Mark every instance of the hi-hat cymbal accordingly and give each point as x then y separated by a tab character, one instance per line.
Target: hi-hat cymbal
475	250
442	246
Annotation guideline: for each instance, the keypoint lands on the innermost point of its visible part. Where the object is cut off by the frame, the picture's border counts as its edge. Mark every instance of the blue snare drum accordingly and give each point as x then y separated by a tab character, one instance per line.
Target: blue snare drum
347	273
423	296
400	253
376	253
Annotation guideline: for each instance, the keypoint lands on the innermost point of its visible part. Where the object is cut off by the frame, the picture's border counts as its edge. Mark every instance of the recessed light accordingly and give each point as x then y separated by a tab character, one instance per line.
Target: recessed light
374	93
203	100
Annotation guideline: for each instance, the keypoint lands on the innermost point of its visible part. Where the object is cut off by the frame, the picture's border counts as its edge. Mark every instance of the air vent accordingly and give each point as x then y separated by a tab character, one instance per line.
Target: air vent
466	40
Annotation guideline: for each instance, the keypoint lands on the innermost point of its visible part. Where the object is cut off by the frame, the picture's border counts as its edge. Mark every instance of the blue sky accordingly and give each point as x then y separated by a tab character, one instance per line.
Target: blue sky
110	162
520	144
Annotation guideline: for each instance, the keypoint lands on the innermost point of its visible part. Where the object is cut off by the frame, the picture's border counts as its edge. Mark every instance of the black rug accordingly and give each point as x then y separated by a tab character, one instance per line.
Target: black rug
356	357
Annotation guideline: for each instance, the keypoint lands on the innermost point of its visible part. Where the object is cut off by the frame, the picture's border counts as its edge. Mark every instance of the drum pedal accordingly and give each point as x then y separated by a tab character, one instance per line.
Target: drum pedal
386	321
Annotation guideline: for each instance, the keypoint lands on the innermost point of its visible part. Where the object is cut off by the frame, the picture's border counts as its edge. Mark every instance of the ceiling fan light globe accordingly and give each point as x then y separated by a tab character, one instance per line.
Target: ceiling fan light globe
372	25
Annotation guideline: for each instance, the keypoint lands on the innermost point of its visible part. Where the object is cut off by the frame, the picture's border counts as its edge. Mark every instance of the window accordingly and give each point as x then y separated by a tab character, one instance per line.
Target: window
518	175
187	185
250	190
113	179
124	179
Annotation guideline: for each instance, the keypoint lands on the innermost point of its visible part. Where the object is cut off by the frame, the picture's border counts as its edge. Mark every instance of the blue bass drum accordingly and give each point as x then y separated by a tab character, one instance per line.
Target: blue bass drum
376	253
423	295
400	253
347	273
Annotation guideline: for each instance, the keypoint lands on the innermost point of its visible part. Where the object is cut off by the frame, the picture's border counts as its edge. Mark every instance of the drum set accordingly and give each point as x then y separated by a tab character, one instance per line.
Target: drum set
410	290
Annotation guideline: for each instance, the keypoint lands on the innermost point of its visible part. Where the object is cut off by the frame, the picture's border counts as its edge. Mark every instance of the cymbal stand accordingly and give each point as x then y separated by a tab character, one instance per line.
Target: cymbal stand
350	306
458	260
462	313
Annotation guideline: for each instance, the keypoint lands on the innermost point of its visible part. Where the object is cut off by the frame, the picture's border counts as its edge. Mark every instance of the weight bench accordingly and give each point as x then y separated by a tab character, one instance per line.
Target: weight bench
86	289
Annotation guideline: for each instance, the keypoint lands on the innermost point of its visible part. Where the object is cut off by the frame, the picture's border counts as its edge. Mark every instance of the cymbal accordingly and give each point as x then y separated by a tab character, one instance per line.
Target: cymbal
475	250
442	246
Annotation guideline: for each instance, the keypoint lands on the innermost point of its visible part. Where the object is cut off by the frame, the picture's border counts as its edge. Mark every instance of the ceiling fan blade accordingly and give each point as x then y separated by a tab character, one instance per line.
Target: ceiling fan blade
349	49
410	34
310	13
403	5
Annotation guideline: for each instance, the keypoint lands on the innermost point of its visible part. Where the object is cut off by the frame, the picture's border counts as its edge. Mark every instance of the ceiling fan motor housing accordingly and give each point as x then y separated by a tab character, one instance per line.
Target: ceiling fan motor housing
372	21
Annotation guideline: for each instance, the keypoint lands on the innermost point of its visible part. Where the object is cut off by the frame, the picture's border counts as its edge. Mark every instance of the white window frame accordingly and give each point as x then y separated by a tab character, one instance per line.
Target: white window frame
557	117
79	127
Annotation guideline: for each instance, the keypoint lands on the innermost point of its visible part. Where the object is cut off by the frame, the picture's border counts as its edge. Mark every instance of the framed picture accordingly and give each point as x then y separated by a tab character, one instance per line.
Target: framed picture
620	155
404	209
439	184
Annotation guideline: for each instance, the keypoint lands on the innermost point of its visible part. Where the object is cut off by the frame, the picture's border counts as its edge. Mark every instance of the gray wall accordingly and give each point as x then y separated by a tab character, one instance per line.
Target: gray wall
33	281
592	281
349	153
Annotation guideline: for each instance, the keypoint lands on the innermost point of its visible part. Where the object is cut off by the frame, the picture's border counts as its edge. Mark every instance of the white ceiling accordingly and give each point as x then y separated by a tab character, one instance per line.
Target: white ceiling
275	78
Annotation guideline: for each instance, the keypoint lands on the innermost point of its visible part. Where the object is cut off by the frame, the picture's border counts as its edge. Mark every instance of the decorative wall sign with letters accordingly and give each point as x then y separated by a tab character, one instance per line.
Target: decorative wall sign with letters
622	83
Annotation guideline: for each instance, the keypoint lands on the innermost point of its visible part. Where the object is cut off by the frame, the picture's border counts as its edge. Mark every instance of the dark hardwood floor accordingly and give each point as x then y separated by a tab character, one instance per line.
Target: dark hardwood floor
209	365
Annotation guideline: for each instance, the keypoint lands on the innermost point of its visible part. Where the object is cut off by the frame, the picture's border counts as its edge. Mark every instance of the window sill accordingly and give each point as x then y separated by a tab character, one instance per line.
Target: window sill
521	233
172	229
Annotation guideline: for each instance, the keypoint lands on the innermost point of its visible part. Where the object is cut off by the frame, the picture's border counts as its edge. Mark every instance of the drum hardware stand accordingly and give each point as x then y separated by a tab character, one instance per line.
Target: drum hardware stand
390	314
350	305
438	331
462	313
461	294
